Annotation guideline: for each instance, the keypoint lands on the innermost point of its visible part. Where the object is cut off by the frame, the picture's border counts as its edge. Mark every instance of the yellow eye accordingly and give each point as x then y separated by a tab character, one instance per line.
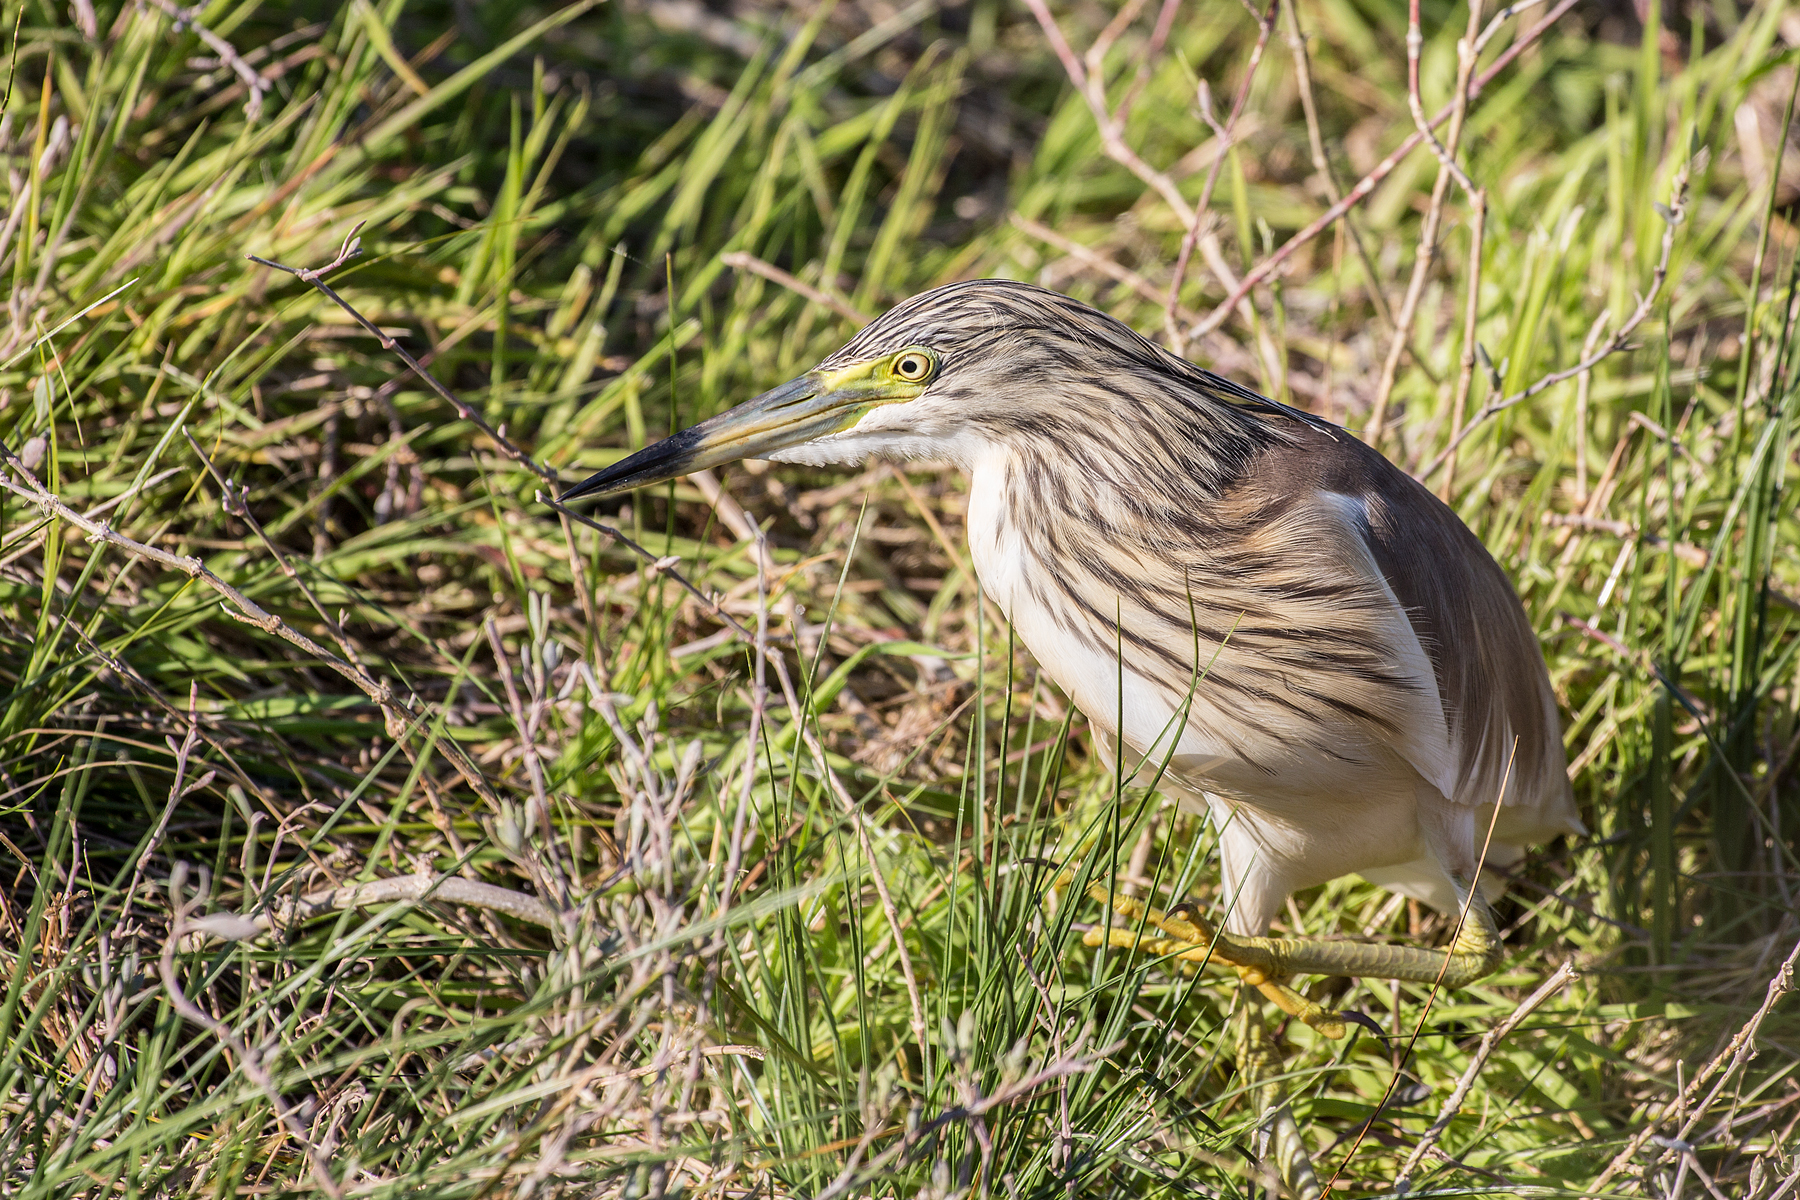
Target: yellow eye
913	367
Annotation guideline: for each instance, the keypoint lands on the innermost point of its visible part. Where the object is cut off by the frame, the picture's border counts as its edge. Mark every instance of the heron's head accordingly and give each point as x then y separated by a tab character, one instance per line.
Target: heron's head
946	375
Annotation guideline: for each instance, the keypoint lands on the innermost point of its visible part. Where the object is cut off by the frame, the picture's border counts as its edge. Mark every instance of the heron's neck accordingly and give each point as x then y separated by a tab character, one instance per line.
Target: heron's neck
1138	467
1064	491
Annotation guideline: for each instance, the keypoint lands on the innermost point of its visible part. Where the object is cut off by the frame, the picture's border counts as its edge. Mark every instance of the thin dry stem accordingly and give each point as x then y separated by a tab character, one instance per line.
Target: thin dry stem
1735	1054
1159	37
1315	140
759	701
1618	341
255	85
1060	1067
1415	42
1583	385
1224	132
351	248
1434	214
1368	183
177	789
774	274
401	718
1099	262
235	501
1115	29
248	1060
399	889
1112	138
1465	377
1453	1104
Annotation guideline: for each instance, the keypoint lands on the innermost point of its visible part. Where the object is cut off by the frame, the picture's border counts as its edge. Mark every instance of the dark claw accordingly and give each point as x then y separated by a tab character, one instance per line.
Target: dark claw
1028	861
1363	1019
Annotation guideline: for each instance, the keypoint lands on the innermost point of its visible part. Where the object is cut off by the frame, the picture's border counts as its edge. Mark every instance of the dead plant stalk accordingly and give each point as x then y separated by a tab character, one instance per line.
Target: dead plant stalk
1738	1051
1448	169
1369	182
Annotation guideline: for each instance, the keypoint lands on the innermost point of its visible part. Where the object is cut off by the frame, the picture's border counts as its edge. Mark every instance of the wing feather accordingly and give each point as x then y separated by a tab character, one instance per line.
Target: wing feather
1498	705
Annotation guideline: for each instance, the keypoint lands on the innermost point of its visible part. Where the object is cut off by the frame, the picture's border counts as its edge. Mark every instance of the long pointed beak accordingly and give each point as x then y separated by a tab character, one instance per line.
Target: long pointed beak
795	412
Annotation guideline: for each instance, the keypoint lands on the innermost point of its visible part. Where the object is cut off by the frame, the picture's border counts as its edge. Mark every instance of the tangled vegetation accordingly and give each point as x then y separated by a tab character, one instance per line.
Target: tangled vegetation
368	827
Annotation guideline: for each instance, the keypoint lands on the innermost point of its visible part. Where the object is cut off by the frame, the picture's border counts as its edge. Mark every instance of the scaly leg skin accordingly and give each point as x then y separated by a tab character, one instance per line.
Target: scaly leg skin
1278	1135
1328	1023
1266	963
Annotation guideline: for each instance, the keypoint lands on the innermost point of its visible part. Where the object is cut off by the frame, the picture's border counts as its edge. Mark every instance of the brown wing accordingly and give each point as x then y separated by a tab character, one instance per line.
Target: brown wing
1500	711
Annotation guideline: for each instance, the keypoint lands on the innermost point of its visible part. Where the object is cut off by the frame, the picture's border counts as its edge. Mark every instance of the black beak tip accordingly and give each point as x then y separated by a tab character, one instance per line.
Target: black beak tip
594	485
666	459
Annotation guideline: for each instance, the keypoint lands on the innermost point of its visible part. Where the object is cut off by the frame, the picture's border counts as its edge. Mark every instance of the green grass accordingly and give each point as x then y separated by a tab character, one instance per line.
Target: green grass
546	198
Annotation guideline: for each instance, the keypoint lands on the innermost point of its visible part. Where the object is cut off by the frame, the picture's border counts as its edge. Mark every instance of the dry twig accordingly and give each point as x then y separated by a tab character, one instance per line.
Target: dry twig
774	274
1621	338
1453	1104
399	889
247	1058
254	84
1434	214
1092	89
1315	139
177	789
1736	1053
1465	376
351	248
1368	183
663	566
1117	272
400	717
1224	132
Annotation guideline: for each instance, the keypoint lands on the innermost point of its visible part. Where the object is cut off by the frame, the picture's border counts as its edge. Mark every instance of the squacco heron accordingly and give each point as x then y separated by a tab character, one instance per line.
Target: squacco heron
1306	643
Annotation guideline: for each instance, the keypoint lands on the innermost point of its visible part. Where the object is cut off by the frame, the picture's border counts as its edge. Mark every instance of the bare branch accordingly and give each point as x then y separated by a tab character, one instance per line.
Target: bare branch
1563	975
1099	262
774	274
1159	37
1315	138
1736	1053
1369	182
415	889
177	790
1092	88
1112	139
189	18
1264	26
401	718
1434	214
1620	339
1465	377
249	1061
350	250
1415	42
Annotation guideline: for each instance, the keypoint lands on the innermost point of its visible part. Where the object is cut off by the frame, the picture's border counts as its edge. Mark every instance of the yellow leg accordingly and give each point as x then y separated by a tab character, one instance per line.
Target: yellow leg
1198	943
1267	963
1278	1139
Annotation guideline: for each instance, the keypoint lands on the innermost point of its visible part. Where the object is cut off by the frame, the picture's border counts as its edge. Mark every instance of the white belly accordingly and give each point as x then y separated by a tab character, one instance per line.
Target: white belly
1185	728
1289	816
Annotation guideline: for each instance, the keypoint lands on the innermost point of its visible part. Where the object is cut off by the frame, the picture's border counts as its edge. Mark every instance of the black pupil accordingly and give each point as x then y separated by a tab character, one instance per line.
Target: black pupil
910	365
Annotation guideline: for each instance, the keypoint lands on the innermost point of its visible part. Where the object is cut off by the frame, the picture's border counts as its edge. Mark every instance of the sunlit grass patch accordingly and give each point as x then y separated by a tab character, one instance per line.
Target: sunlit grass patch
596	224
